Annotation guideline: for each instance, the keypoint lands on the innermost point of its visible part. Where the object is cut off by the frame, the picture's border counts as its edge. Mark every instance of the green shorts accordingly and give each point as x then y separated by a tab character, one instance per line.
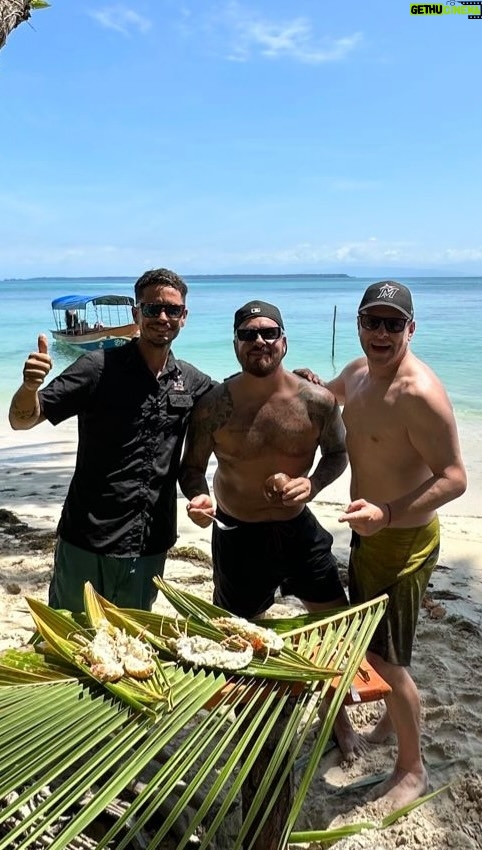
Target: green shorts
398	562
127	582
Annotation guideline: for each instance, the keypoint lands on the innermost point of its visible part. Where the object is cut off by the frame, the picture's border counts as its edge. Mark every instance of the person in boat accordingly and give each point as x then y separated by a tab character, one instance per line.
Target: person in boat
406	462
133	403
71	321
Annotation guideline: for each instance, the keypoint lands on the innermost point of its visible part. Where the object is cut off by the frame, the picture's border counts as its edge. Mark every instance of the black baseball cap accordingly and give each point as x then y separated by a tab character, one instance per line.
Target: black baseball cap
391	294
253	309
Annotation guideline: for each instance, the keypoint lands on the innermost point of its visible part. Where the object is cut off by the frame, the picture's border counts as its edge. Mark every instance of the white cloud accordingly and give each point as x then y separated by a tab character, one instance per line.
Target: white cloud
121	19
466	255
17	259
351	253
248	34
308	254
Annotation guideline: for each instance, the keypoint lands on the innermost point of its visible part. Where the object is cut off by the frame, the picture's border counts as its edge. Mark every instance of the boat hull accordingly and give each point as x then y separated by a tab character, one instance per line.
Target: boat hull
95	339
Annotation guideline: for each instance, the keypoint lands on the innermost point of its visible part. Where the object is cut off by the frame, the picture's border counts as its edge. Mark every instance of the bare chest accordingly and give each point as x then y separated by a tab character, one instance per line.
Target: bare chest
270	428
374	415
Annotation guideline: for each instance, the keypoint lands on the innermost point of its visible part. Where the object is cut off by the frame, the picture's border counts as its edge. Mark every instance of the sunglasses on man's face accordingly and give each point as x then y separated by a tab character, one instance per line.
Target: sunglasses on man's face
251	334
153	310
393	324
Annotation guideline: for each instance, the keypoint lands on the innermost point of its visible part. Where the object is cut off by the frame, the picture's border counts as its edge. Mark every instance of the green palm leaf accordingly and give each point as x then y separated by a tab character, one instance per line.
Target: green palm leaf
56	628
330	836
90	742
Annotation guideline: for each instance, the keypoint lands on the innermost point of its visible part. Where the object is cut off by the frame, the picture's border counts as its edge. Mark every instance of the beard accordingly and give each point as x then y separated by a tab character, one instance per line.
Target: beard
263	365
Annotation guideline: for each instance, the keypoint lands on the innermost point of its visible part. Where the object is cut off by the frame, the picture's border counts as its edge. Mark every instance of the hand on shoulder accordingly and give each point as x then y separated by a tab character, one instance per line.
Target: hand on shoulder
306	373
316	395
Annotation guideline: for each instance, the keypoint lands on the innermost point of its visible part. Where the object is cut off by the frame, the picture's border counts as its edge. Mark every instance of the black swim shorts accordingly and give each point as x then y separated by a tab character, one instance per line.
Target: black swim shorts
256	558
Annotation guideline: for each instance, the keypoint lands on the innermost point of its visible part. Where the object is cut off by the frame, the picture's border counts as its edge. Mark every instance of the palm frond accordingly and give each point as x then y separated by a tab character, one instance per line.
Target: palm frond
331	836
56	628
70	747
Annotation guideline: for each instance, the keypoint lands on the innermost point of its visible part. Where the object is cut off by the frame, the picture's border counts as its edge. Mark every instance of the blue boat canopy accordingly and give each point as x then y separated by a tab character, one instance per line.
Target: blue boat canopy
79	302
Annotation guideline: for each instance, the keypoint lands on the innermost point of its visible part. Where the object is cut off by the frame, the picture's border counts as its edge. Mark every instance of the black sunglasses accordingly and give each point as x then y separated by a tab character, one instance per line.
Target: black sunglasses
154	310
251	334
394	324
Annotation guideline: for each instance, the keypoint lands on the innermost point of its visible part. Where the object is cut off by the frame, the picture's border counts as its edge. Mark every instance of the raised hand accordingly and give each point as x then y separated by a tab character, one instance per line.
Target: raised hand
37	366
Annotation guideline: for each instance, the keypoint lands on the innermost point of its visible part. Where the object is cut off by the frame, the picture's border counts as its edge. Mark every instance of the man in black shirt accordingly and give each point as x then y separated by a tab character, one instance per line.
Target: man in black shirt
133	405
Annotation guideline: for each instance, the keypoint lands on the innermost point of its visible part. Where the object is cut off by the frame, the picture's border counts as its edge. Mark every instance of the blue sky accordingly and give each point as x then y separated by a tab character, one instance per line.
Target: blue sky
240	137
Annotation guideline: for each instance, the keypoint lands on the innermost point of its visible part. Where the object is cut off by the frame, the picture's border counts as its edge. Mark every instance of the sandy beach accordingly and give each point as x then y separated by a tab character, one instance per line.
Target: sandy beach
36	469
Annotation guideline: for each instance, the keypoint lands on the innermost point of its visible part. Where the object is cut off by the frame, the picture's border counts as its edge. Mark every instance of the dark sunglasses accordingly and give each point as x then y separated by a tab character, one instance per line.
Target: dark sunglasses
154	310
393	325
251	334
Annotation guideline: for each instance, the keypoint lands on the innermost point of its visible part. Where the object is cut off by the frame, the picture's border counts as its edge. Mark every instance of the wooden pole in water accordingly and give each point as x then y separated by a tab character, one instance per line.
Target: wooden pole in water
333	334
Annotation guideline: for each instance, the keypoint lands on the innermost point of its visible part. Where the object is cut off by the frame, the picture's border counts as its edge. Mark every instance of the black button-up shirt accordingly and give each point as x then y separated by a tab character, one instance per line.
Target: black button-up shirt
122	497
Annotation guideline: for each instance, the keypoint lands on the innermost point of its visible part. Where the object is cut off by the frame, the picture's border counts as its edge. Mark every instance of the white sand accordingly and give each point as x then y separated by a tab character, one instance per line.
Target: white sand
36	469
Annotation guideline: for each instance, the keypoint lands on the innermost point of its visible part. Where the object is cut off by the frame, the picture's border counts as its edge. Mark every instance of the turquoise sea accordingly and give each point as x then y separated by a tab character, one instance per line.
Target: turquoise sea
448	313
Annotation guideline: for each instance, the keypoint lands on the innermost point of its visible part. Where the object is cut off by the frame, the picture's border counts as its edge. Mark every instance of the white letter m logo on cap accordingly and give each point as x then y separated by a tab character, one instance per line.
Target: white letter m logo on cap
388	291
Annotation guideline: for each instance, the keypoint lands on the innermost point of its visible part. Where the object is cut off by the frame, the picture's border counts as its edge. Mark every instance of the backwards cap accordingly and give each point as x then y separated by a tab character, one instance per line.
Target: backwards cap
253	309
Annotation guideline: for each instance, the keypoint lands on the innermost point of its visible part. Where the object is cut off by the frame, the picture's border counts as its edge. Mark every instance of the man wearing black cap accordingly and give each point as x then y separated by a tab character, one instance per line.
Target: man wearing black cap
263	422
405	459
265	425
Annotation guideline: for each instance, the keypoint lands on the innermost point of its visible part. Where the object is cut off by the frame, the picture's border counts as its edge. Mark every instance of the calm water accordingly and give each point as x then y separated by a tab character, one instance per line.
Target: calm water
448	312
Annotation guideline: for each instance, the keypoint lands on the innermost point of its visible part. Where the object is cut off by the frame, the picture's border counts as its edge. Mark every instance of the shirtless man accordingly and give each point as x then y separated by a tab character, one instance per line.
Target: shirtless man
405	462
266	420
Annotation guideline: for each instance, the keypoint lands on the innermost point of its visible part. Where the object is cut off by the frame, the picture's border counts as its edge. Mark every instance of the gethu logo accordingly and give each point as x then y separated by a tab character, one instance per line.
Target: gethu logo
473	11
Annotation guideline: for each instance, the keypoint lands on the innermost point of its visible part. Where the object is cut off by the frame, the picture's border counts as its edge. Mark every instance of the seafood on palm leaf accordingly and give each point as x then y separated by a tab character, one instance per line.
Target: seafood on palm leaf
112	653
264	641
234	653
243	641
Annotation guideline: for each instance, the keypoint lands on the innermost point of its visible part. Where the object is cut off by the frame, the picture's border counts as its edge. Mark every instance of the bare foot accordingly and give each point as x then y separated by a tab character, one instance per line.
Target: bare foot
351	744
402	788
382	731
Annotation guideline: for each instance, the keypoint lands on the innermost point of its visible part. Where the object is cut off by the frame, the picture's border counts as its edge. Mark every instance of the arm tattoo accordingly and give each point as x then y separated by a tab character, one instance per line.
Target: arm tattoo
24	411
22	414
325	413
210	414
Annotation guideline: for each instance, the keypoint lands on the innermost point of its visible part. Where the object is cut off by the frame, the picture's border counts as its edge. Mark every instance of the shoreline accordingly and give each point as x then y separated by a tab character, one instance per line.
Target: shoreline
47	455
